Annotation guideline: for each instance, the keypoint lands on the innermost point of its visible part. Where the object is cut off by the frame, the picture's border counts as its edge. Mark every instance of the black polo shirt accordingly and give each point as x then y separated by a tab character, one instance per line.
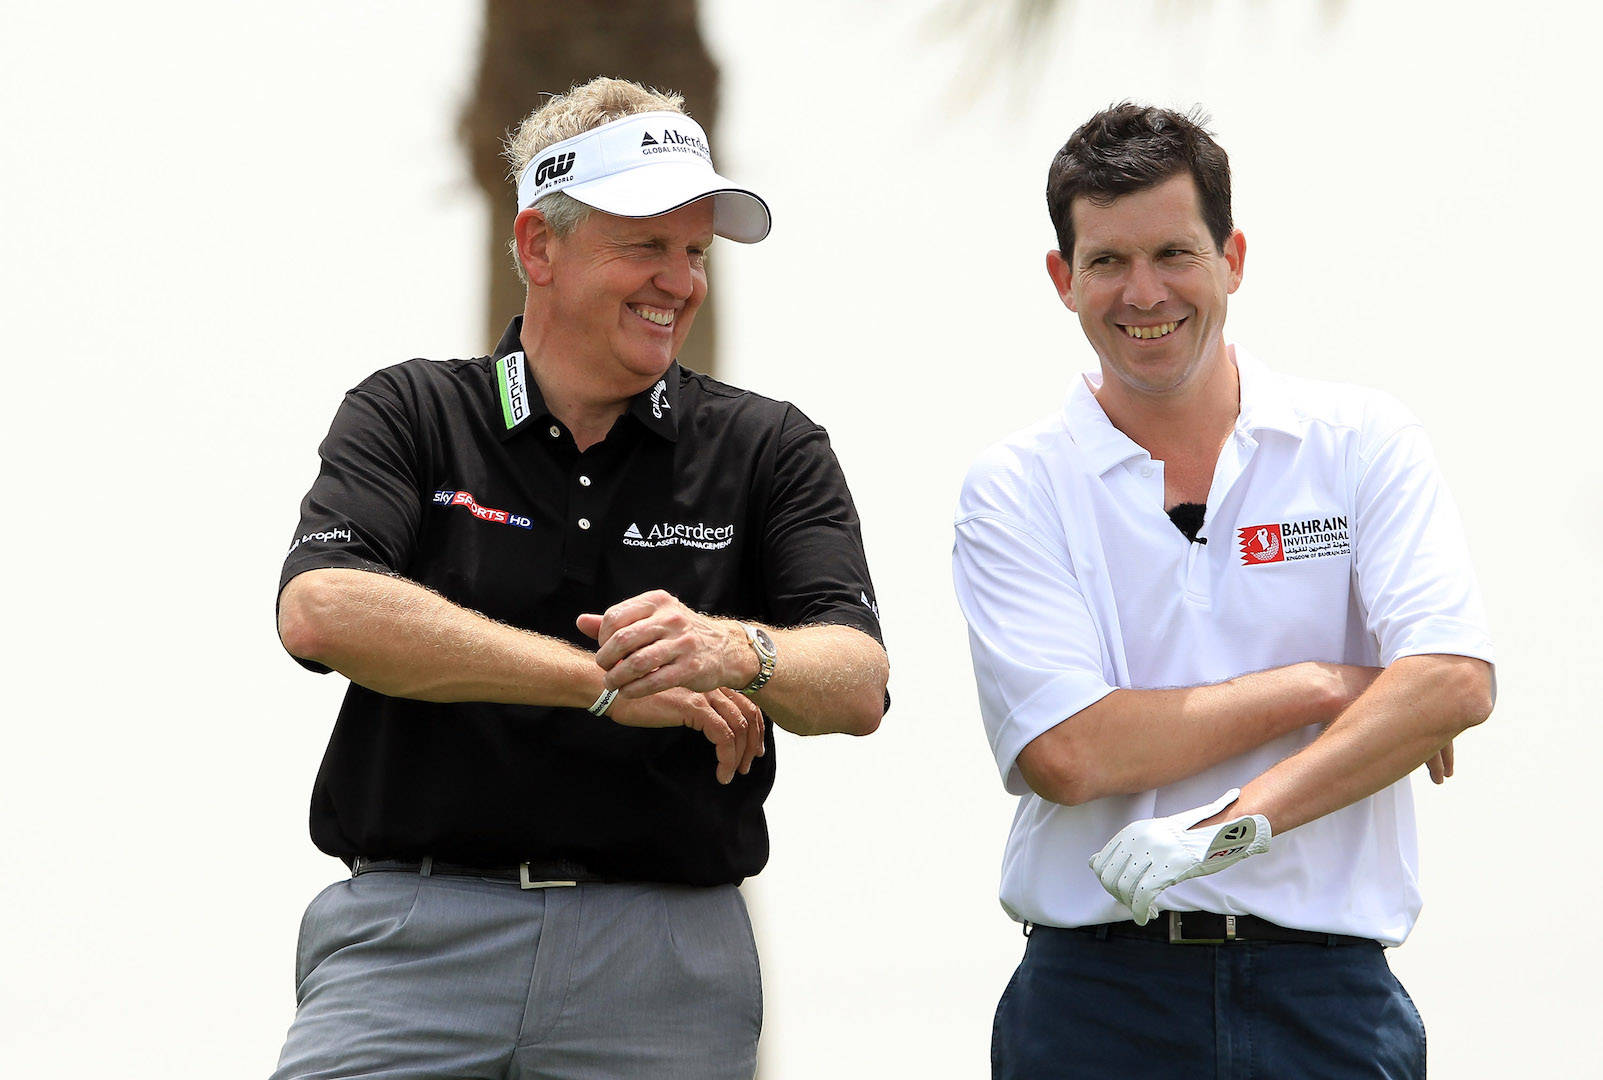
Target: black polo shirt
454	474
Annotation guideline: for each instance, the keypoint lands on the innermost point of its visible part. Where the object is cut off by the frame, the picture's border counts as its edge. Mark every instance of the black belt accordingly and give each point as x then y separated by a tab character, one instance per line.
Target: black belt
1206	928
545	874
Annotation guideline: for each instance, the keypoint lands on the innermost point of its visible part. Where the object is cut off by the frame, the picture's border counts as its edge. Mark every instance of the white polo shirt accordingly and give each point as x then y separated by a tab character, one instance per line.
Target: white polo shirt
1330	536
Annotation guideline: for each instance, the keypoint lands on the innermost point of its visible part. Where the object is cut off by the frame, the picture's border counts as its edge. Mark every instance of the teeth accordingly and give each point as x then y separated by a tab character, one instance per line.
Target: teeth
1146	332
660	317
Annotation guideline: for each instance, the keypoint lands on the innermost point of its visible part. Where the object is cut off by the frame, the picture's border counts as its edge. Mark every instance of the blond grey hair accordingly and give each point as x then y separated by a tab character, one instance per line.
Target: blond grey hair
583	107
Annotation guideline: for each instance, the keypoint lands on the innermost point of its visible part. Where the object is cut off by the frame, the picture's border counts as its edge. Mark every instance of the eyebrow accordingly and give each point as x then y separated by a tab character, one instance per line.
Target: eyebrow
648	237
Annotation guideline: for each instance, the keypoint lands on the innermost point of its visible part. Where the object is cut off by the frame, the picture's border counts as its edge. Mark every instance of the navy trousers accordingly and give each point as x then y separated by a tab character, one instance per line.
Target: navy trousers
1080	1006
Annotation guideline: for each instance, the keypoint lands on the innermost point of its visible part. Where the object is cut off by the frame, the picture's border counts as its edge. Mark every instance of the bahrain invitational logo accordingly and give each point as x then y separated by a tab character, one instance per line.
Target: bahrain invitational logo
1294	541
659	398
700	535
554	167
483	513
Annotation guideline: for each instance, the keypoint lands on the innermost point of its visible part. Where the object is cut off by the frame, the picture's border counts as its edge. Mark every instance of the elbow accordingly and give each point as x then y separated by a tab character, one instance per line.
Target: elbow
1453	693
866	706
866	721
307	616
1054	771
868	709
1469	687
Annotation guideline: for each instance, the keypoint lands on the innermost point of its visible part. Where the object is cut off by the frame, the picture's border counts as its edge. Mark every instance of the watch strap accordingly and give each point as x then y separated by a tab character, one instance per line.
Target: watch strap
767	657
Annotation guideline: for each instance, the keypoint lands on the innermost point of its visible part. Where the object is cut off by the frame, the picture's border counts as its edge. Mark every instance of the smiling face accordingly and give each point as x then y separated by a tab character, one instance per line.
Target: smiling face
623	292
1150	287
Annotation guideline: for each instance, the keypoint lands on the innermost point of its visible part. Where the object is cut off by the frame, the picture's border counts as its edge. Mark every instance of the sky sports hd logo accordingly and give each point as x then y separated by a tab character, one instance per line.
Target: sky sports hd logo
466	500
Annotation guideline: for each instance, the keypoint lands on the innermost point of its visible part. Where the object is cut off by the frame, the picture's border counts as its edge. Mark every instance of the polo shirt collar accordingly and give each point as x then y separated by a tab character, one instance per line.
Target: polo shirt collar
1102	444
1265	405
658	407
519	400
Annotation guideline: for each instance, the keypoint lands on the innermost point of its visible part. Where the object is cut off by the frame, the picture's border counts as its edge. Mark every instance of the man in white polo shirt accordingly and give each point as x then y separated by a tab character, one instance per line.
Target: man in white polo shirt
1218	617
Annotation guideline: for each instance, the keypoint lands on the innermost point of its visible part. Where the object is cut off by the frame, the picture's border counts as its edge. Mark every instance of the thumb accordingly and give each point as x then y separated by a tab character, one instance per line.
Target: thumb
590	626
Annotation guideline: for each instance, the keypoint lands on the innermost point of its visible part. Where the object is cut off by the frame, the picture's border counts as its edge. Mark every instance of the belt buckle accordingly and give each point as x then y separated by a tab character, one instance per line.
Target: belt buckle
1177	931
525	883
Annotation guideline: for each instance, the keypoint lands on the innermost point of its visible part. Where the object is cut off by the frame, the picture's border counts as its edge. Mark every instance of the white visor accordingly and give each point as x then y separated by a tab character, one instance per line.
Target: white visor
642	166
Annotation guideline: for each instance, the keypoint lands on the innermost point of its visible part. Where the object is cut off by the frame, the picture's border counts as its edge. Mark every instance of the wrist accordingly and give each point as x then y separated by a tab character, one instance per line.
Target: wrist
763	652
741	664
579	680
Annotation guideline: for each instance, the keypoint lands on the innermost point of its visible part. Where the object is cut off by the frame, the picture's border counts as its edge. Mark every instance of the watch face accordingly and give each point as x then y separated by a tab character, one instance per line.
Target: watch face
764	641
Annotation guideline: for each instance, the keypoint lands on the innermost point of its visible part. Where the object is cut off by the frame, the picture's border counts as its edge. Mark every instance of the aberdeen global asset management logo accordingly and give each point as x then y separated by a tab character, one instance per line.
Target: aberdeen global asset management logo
669	534
675	142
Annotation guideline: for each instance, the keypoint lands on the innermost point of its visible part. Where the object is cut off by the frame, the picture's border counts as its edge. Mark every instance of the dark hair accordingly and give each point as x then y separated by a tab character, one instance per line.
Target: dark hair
1127	148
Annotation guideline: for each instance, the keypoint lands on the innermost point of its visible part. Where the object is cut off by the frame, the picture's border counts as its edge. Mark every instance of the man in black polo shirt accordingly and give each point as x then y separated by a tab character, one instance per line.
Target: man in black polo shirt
548	772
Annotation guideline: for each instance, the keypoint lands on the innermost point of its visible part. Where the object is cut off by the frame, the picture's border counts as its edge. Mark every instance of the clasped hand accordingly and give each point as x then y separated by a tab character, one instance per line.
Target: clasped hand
673	667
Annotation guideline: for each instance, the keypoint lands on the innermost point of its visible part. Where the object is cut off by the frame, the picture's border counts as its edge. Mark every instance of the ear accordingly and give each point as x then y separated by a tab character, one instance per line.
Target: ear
1062	275
534	239
1235	253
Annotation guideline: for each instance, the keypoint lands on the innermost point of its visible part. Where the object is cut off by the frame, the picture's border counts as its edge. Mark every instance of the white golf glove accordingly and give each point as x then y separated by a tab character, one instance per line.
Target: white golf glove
1146	857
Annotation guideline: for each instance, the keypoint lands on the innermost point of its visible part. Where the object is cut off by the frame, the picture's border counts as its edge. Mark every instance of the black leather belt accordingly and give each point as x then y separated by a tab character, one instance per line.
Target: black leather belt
1206	928
545	874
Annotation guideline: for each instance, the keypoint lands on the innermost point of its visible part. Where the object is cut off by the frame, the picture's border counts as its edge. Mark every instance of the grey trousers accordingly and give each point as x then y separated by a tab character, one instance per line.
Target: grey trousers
405	975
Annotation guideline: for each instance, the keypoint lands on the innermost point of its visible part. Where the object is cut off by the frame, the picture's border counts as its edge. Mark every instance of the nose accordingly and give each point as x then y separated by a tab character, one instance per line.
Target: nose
1143	285
677	276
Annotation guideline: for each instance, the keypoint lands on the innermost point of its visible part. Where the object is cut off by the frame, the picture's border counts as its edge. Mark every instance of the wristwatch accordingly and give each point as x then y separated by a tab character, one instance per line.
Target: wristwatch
767	656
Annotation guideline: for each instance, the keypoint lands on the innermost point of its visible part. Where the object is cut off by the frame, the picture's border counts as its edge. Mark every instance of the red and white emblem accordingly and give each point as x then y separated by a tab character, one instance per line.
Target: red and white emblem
1261	544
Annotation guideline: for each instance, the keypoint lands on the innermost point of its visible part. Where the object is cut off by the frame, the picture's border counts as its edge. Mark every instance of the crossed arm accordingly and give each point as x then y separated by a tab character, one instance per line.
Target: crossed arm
1381	725
398	638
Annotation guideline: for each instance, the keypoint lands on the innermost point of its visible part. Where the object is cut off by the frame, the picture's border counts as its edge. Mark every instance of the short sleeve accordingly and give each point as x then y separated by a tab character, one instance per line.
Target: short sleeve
1410	558
363	510
814	567
1038	657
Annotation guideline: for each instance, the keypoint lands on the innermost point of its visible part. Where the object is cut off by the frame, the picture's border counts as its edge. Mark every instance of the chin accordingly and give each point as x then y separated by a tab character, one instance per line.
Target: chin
645	367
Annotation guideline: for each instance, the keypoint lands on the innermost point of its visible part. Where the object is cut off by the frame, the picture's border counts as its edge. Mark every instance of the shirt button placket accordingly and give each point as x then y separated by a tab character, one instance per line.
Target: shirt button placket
586	539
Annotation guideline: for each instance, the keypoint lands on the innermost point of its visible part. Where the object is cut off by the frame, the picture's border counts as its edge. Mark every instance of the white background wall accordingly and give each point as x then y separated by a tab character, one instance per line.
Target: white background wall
216	219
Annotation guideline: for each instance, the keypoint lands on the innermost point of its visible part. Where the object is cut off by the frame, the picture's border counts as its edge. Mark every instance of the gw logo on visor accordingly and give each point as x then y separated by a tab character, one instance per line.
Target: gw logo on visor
553	167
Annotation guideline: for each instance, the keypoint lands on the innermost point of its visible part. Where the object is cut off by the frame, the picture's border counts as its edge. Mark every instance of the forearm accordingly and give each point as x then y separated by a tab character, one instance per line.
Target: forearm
1137	740
828	679
398	638
1414	708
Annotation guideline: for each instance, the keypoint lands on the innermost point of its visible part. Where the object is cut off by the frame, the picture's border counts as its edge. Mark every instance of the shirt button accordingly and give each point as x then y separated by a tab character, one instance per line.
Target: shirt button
584	481
1146	470
584	523
555	431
